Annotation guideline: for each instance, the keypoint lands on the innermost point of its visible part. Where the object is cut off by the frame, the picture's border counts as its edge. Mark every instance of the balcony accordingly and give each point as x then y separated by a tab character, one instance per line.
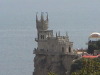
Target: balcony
36	39
36	51
45	52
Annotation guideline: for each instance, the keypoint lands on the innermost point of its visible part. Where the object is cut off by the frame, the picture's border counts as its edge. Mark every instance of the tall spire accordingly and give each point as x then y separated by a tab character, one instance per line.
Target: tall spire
36	16
67	35
56	34
42	18
47	16
59	33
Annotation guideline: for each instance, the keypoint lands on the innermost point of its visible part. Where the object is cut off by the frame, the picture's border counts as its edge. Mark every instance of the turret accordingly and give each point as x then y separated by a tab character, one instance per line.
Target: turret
47	16
42	24
36	17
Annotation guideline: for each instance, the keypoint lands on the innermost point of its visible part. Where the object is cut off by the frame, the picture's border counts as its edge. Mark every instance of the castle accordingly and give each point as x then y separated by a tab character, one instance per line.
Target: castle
53	53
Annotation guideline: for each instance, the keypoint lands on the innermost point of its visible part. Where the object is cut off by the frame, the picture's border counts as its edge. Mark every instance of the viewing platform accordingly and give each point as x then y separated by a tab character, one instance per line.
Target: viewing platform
45	52
36	39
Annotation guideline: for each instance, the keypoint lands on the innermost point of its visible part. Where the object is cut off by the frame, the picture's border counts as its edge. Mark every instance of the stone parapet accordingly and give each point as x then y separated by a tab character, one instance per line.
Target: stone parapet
45	52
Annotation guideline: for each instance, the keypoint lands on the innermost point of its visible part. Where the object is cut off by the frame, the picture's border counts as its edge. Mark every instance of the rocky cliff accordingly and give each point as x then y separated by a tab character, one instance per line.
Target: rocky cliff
59	64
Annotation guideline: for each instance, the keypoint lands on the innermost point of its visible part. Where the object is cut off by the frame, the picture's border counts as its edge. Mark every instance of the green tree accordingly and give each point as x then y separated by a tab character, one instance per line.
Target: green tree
98	44
93	45
90	67
51	73
77	65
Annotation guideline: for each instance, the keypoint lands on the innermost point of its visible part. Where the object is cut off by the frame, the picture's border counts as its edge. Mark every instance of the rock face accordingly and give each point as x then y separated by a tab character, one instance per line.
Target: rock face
59	64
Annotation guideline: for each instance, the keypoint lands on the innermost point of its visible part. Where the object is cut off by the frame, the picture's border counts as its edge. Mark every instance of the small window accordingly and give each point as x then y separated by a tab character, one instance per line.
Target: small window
42	36
69	49
62	49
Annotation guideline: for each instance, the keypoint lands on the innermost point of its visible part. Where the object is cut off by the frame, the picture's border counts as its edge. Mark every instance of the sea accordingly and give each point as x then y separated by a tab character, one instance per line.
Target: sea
79	18
17	39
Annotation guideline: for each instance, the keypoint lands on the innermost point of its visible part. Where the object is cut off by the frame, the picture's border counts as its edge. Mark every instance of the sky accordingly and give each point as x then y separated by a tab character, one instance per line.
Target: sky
20	14
18	28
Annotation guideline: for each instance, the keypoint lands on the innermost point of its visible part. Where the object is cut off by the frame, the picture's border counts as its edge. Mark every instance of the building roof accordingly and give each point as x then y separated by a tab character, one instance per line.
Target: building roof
89	56
94	35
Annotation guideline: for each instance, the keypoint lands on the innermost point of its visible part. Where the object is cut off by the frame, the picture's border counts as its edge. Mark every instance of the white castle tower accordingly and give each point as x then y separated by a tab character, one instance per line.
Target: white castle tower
51	49
47	43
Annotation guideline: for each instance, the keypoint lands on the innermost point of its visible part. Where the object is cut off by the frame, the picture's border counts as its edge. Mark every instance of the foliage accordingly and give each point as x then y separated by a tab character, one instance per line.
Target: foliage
51	73
77	65
98	44
90	67
91	48
93	45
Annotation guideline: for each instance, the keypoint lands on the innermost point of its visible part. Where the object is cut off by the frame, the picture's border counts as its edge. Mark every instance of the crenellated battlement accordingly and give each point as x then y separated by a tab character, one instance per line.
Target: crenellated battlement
42	24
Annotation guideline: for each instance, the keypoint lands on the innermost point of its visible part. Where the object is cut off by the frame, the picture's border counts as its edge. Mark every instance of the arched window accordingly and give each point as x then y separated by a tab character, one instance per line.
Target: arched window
69	49
42	36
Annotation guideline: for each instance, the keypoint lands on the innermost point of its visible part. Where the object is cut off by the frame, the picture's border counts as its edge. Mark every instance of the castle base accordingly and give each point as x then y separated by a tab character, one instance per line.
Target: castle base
59	64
